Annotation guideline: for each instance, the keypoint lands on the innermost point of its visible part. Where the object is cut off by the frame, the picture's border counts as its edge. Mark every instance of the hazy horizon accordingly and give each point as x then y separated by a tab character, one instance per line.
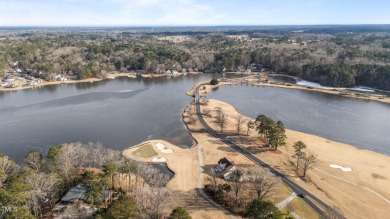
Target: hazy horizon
178	13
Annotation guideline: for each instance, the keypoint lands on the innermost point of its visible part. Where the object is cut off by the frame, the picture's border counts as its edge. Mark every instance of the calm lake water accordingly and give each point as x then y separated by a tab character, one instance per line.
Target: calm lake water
119	113
124	112
362	123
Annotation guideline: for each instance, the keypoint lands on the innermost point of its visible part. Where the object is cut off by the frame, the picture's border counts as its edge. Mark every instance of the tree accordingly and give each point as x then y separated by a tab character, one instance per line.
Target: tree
179	213
152	200
53	153
237	184
308	162
222	121
118	64
34	160
239	122
250	125
299	146
214	81
96	187
42	187
263	184
125	207
66	162
264	126
110	170
130	168
18	213
15	191
7	167
258	209
276	135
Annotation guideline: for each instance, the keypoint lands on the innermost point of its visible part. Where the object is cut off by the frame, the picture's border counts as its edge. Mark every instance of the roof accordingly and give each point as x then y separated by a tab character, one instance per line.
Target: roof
75	193
226	162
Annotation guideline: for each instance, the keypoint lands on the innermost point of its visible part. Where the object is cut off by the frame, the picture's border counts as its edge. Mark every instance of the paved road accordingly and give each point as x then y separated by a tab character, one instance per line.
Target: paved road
296	188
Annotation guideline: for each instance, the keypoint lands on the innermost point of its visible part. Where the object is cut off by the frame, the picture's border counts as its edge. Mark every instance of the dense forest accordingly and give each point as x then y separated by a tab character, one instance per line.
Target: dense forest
329	56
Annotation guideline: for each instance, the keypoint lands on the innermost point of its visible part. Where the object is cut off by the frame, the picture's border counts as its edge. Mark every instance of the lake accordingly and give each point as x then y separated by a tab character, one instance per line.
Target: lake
125	111
361	123
119	113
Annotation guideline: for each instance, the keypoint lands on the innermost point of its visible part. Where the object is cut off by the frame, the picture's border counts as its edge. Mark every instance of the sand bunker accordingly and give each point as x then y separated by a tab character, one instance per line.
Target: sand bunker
163	148
345	169
159	160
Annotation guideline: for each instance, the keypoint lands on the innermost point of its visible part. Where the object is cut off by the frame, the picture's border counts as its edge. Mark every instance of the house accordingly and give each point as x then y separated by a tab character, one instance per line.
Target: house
75	194
74	203
9	79
227	170
223	164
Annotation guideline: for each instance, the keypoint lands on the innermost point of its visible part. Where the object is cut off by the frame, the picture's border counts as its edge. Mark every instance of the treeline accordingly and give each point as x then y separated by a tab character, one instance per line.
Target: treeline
27	189
342	75
339	60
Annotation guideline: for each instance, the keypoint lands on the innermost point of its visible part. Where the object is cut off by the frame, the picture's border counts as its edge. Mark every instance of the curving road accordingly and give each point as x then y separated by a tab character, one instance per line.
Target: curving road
296	188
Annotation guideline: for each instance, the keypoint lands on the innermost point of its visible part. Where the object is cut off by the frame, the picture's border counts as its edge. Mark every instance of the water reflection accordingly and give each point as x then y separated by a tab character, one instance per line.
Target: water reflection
361	123
119	113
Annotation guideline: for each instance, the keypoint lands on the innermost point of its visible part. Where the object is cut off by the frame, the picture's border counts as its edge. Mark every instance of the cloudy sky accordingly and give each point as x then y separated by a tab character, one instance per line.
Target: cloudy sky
191	12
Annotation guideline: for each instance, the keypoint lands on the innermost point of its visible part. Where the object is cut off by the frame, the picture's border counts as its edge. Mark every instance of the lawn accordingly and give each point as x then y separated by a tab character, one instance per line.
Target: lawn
145	151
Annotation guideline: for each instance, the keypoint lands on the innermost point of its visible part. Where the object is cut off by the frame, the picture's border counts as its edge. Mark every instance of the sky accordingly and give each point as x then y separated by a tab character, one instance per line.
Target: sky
191	12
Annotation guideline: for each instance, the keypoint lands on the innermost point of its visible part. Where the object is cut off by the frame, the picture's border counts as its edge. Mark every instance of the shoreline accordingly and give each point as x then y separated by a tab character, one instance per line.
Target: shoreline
368	180
249	79
109	76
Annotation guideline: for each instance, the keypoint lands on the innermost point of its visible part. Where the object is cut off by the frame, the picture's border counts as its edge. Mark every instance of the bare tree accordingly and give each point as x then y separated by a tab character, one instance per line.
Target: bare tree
152	201
34	160
308	161
250	125
218	110
152	197
66	161
128	169
239	122
213	177
206	111
237	184
7	167
222	121
263	183
42	187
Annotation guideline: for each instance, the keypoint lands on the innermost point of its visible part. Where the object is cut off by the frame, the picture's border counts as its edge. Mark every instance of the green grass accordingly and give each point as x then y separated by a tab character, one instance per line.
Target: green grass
146	151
